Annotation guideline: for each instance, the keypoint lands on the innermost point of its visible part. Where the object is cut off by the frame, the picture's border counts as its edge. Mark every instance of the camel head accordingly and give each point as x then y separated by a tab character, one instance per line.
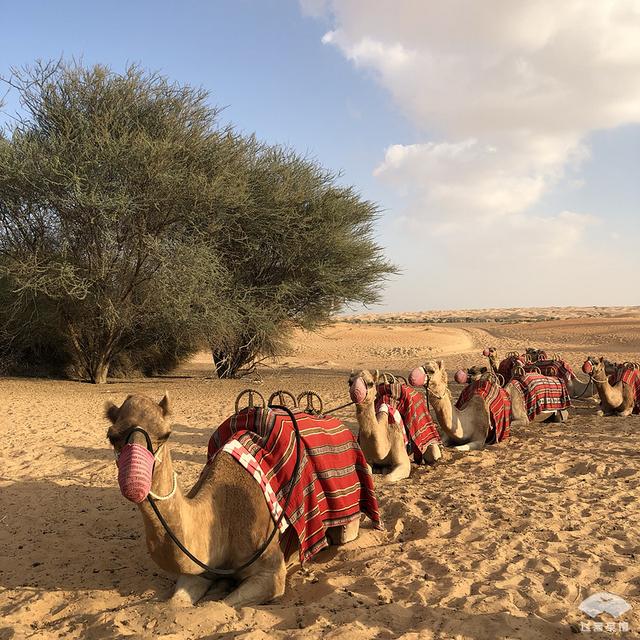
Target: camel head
137	433
142	412
596	368
610	367
492	354
476	372
362	386
432	374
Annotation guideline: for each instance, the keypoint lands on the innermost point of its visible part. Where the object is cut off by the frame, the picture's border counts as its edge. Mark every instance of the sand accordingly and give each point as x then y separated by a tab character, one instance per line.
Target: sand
503	543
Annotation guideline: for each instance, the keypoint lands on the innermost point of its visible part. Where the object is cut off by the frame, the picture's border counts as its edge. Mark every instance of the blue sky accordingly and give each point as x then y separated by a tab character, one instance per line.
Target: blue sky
348	99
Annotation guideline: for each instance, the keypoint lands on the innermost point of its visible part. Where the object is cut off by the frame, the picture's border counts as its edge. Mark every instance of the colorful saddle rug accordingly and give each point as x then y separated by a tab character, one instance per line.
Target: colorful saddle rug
333	486
630	377
420	429
499	404
542	393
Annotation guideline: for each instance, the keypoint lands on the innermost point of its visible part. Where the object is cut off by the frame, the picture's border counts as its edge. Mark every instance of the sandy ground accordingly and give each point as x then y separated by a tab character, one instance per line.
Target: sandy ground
503	543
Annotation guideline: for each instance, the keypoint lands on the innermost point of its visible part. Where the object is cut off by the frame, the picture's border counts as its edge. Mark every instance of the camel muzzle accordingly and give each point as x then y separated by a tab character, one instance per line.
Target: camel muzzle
135	468
358	390
417	377
461	376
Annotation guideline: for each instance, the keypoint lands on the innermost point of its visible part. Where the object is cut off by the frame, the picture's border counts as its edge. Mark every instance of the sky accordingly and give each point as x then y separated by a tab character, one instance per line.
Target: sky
500	139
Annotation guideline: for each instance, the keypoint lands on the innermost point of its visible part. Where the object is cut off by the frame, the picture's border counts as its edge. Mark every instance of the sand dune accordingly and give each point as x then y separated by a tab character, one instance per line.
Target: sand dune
503	543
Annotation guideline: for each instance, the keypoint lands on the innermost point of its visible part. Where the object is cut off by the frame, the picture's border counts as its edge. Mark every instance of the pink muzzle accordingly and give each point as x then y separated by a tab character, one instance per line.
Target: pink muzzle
358	390
461	376
417	377
135	472
587	367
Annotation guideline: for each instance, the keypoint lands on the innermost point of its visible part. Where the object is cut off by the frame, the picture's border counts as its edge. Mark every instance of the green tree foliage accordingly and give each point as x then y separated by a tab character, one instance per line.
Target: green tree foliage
134	230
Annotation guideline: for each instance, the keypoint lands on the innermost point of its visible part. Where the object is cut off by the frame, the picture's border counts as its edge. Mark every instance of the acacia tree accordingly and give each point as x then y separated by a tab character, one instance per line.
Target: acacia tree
133	230
299	249
102	182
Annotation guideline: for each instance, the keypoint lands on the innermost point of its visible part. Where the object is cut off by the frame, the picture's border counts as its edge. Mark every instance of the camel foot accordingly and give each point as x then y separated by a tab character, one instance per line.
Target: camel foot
345	533
433	454
625	413
400	472
189	589
471	446
600	412
259	588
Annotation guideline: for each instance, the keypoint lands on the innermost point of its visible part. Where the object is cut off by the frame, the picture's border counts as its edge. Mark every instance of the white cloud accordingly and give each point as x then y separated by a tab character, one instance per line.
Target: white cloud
505	94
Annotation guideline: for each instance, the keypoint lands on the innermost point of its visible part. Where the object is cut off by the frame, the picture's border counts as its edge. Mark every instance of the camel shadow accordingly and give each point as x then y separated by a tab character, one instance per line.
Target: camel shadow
72	537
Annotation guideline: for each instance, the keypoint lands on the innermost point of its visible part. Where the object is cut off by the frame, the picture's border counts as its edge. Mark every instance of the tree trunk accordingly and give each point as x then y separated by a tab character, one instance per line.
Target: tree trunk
99	372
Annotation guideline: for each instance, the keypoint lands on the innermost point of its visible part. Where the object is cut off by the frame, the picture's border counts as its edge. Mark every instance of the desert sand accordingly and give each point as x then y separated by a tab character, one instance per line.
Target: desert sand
503	543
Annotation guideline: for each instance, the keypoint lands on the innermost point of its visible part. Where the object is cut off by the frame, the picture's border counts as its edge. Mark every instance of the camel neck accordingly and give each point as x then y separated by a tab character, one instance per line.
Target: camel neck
611	395
374	429
442	403
178	511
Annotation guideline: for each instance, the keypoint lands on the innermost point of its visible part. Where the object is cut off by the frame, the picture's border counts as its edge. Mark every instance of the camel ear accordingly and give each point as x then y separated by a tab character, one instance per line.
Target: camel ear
164	404
376	376
111	411
440	364
601	358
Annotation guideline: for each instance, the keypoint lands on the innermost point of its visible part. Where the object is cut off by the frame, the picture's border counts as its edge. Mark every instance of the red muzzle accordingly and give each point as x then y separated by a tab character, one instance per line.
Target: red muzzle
587	367
135	472
358	390
461	376
417	377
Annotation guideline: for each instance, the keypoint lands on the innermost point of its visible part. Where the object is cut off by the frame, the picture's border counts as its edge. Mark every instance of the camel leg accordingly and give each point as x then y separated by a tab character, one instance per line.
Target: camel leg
433	453
345	533
189	589
471	446
625	412
260	587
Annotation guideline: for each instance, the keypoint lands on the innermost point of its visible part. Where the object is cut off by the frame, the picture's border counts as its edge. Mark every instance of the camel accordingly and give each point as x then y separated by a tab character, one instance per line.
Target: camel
381	439
577	388
621	398
464	429
470	427
519	415
223	520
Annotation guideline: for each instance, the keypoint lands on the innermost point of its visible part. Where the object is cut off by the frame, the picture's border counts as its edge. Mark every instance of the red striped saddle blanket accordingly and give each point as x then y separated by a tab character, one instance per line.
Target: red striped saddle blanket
629	377
333	486
419	427
499	404
542	393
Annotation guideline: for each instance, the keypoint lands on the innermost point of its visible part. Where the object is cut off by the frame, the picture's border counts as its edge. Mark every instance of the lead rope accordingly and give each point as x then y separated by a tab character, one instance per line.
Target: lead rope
342	406
210	571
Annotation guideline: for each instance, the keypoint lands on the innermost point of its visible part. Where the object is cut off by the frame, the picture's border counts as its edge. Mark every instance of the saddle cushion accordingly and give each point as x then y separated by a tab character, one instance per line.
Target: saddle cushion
333	486
506	366
499	404
542	393
420	429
